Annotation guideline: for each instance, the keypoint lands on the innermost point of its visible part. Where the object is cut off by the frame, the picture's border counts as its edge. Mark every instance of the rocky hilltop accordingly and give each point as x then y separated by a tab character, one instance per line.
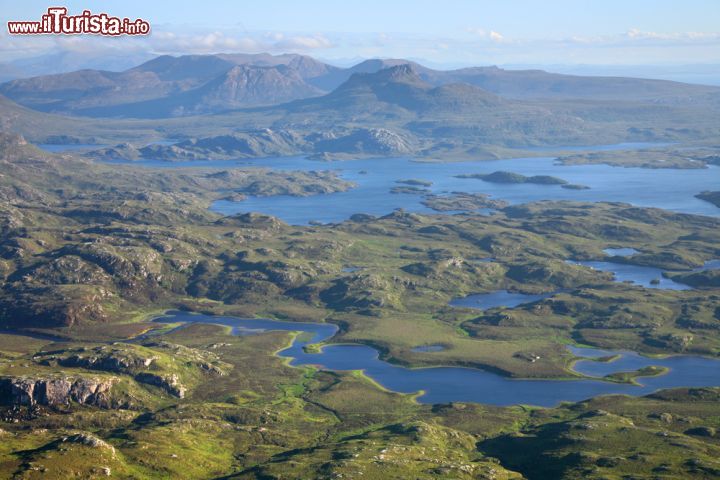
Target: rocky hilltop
56	391
270	142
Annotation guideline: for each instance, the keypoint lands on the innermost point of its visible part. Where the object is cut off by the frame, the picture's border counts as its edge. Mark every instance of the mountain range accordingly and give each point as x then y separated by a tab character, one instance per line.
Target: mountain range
169	86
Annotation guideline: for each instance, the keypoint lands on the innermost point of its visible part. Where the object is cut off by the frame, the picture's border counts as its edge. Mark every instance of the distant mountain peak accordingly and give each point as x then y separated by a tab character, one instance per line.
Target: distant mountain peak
255	85
168	67
374	65
398	74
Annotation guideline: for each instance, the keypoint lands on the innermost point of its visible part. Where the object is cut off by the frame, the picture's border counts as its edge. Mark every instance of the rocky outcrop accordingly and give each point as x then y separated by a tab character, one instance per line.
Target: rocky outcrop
262	183
372	141
24	391
52	306
169	383
268	142
129	265
362	292
110	361
159	364
87	439
253	220
460	201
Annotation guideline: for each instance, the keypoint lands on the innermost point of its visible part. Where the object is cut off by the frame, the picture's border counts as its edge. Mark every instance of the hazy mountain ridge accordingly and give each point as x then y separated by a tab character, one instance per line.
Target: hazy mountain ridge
184	85
178	83
241	86
69	92
429	118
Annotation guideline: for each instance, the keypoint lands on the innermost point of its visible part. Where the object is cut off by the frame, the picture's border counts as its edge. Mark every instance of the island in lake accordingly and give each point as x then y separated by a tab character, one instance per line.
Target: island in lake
501	176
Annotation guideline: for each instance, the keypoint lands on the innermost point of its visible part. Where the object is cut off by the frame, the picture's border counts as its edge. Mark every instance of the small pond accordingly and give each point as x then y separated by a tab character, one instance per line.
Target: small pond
620	252
648	277
500	298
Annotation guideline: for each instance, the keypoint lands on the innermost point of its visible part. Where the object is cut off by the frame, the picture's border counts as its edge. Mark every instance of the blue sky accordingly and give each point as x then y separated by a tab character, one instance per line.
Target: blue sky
452	32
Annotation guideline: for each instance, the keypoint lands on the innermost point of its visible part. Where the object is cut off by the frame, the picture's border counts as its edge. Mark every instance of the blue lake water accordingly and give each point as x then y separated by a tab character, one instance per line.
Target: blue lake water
500	298
648	277
693	369
455	384
669	189
709	265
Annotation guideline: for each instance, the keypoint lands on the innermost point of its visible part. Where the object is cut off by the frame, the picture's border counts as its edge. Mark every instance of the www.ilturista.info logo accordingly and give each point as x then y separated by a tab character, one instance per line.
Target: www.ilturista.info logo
57	21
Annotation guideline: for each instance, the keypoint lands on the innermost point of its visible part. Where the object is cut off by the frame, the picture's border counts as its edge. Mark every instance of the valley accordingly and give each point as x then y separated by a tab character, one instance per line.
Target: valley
257	266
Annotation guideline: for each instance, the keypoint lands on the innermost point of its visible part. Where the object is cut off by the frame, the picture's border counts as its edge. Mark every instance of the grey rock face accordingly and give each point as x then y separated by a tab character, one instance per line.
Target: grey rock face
56	391
170	383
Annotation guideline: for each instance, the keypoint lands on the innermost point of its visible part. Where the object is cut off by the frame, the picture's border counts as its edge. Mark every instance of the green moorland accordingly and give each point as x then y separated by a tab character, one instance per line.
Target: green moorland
89	253
262	419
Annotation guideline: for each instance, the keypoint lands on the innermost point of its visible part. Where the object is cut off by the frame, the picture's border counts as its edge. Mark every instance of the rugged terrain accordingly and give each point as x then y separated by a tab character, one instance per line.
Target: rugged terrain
117	240
90	253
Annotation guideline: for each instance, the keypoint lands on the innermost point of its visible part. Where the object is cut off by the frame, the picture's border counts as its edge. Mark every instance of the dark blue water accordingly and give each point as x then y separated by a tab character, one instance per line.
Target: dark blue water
662	188
500	298
648	277
453	384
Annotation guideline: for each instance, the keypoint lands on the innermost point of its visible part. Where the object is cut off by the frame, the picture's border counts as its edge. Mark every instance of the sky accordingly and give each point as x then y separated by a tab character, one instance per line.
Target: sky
439	32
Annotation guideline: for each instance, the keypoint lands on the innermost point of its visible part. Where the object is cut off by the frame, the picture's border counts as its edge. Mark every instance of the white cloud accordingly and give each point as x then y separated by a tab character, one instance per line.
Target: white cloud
636	34
640	37
476	45
480	32
304	43
171	42
496	37
218	41
488	35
